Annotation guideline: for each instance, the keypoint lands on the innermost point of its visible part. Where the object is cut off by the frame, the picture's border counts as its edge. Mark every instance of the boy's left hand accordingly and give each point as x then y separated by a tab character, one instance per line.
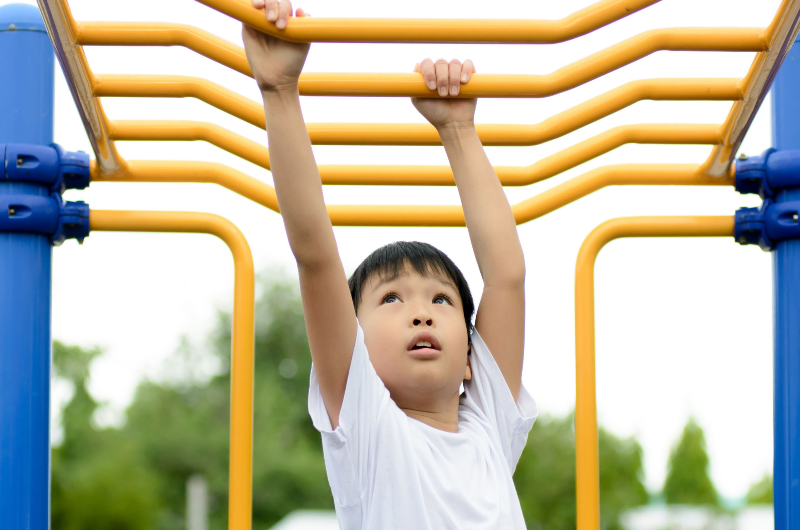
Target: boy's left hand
445	79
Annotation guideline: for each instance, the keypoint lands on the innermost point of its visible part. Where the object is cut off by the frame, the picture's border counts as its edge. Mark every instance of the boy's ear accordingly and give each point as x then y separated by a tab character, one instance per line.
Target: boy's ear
468	372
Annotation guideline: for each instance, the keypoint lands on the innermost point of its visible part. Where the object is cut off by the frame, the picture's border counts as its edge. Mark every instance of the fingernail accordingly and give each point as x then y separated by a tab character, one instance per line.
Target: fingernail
271	15
432	85
454	90
442	90
463	78
280	24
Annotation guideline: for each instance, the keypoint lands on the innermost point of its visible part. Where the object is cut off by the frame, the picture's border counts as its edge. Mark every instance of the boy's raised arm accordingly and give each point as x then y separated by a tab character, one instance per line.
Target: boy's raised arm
327	306
492	229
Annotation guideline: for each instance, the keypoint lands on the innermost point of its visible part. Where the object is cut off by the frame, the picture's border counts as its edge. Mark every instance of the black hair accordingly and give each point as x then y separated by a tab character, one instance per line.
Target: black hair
390	260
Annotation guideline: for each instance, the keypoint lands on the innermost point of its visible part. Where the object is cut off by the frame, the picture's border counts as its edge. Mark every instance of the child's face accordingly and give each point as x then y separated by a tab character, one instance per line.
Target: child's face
417	339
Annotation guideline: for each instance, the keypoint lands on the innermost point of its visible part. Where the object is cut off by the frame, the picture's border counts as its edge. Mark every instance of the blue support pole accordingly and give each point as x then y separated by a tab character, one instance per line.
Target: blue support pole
26	117
786	278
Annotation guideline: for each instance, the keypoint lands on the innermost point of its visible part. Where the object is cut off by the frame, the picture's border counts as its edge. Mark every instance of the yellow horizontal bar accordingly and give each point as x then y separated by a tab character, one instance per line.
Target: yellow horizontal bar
414	215
163	34
420	175
587	460
435	30
241	429
422	134
534	86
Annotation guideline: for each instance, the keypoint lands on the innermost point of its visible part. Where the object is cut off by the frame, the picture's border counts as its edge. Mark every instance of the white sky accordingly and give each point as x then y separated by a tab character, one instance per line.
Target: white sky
670	340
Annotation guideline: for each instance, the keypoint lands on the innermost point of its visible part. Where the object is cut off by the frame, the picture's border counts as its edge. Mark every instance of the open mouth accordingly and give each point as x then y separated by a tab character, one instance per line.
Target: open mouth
424	343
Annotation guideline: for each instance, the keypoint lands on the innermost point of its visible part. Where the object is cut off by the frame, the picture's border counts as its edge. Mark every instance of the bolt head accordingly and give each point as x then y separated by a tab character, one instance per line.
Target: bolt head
743	156
742	240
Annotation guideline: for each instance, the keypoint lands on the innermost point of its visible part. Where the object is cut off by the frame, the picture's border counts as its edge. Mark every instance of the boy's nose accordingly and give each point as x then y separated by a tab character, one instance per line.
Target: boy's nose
419	321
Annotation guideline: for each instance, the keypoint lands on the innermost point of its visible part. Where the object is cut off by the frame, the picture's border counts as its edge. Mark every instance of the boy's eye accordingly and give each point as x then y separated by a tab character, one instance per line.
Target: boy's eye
441	300
390	299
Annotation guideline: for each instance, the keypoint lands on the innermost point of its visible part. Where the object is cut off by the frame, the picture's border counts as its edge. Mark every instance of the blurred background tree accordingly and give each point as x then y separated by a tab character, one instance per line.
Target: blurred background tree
134	477
545	476
761	492
688	481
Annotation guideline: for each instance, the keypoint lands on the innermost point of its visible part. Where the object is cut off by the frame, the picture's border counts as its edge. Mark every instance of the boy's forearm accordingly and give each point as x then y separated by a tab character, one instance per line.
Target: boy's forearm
297	180
491	224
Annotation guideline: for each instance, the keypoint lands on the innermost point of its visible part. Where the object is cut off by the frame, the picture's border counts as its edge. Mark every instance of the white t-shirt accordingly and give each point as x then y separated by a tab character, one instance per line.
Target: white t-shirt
388	471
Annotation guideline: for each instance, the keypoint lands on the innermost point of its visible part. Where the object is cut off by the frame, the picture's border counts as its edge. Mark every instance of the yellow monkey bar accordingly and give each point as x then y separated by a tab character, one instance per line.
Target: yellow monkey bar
563	123
422	175
771	45
241	429
587	459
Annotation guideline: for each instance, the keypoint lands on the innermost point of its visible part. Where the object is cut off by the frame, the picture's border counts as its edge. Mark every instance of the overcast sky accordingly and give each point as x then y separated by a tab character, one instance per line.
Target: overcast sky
671	340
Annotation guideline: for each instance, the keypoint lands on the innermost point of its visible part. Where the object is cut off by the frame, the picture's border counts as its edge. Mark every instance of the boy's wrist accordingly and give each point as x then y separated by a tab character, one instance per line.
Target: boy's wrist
455	129
281	92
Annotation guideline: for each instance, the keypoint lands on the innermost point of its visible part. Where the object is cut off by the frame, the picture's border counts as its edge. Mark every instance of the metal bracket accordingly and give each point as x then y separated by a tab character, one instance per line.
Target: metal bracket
769	173
47	215
767	225
51	166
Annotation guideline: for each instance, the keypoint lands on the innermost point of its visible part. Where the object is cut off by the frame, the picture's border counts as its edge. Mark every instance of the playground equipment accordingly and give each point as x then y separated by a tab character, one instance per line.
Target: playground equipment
33	216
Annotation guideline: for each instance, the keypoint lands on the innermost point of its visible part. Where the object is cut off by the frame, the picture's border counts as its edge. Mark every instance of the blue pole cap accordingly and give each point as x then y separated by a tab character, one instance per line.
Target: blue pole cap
21	17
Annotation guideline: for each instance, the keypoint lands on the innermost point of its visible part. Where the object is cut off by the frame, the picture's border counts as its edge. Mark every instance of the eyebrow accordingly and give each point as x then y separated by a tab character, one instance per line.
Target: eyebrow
446	283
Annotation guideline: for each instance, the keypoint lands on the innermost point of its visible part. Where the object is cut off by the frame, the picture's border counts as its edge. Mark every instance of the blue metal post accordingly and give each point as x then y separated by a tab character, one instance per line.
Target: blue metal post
786	278
26	116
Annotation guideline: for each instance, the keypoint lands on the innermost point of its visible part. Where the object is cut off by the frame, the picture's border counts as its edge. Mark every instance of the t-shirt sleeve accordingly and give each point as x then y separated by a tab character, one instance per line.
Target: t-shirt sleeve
488	397
346	448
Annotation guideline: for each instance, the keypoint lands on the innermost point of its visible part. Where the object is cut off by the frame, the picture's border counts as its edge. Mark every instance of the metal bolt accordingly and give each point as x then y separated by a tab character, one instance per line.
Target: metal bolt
742	240
794	218
742	156
20	161
11	211
12	26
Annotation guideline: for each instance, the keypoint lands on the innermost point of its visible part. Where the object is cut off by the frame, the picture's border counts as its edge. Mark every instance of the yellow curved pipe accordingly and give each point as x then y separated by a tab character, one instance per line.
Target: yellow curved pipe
412	215
163	34
241	430
433	30
422	134
587	459
421	175
535	86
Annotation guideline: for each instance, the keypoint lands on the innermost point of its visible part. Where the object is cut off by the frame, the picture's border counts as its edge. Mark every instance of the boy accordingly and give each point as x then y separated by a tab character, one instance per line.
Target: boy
404	449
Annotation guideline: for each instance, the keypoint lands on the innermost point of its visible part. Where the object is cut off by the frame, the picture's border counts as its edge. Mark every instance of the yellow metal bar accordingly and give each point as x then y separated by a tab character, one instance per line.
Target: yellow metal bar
534	86
587	453
413	215
163	34
422	134
241	429
435	30
421	175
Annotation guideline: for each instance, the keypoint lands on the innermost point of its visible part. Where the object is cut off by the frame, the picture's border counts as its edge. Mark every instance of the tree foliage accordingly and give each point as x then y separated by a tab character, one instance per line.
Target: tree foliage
545	476
688	481
134	477
99	478
761	492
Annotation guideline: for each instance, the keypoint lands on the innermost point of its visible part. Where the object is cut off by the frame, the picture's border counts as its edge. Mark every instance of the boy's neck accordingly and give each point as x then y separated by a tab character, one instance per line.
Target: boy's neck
446	420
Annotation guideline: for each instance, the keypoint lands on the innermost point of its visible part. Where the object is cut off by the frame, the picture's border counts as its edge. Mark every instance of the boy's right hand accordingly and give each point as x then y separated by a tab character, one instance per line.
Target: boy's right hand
276	63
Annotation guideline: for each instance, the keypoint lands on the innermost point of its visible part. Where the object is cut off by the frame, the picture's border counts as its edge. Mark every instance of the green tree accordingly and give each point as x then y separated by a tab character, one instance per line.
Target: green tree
182	427
545	476
688	481
99	480
761	492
